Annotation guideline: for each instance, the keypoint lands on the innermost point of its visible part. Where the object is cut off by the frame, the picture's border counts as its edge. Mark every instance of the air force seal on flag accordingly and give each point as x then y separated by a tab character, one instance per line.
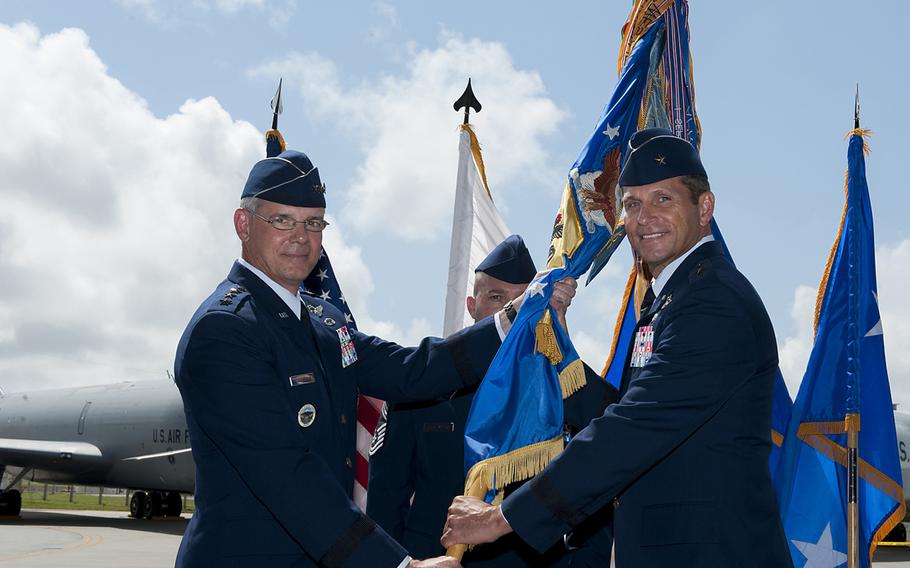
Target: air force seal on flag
348	353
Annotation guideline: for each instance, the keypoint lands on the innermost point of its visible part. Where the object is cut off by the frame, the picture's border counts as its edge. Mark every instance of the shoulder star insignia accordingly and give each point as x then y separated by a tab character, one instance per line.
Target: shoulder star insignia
348	318
325	295
322	275
611	131
343	301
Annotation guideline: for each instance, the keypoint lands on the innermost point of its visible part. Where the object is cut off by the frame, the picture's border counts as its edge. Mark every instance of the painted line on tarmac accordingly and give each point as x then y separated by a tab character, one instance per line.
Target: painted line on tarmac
86	541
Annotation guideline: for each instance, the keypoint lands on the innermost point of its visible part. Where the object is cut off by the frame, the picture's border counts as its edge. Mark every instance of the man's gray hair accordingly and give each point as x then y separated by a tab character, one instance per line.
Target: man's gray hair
250	203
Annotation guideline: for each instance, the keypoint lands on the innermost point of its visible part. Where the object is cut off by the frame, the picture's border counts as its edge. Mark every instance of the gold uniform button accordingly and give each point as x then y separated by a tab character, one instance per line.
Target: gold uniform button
344	419
306	415
347	462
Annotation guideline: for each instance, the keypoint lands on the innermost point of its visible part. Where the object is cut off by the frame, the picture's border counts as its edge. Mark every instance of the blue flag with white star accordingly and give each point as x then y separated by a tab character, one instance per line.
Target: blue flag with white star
845	388
515	426
321	283
670	103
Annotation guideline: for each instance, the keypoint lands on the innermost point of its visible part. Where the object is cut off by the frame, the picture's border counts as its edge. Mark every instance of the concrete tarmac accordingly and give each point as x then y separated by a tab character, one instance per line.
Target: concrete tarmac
44	538
82	539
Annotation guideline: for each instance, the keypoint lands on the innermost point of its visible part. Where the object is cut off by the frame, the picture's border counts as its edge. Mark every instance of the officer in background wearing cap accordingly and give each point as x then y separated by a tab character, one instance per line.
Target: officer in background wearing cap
682	458
269	386
418	447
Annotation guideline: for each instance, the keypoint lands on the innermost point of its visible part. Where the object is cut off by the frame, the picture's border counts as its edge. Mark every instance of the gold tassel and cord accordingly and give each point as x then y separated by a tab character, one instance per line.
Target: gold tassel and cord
270	132
546	339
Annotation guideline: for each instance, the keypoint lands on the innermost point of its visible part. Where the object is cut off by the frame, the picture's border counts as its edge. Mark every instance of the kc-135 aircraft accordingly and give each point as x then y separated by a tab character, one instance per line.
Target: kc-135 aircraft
134	435
130	434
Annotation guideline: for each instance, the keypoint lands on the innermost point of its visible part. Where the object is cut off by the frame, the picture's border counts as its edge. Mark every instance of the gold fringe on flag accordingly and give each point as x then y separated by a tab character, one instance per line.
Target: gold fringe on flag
572	378
546	339
518	465
478	157
274	133
644	14
627	296
864	133
495	473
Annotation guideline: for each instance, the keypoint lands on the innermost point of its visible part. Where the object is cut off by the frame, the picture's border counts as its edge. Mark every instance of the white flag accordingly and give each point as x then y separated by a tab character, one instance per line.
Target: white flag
476	230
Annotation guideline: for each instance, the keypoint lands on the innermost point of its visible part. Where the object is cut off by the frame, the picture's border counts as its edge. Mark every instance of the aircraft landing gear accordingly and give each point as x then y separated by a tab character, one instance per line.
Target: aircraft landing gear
149	504
137	504
10	503
11	499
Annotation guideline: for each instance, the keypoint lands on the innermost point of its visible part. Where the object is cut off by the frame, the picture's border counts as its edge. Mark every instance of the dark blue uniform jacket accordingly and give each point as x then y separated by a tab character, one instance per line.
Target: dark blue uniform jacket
420	452
683	457
271	412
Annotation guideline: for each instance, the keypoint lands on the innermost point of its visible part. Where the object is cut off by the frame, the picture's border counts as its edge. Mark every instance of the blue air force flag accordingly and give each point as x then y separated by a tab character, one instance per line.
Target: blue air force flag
845	388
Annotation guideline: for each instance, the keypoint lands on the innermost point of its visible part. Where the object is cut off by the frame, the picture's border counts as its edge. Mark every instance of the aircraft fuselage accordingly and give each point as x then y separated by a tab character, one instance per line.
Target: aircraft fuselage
123	421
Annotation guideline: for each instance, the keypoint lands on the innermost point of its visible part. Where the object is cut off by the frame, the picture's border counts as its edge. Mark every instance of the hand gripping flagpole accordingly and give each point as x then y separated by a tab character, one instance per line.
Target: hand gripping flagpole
852	419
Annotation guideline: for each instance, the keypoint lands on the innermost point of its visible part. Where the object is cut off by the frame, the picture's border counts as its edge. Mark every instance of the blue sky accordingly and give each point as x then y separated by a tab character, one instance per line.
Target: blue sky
131	134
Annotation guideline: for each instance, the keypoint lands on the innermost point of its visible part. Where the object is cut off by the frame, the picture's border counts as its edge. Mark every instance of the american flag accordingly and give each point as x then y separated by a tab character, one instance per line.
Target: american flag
321	283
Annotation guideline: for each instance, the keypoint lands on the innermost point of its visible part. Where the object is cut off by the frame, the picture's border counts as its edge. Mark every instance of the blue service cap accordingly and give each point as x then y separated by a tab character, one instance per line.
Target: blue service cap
510	262
656	154
288	178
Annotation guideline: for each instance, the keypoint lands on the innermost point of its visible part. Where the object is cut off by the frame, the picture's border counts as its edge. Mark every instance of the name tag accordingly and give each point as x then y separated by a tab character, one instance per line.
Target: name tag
644	343
348	353
304	379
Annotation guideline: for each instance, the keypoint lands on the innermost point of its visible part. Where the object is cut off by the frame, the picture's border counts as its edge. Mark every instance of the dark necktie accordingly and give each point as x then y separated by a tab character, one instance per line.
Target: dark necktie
646	302
305	322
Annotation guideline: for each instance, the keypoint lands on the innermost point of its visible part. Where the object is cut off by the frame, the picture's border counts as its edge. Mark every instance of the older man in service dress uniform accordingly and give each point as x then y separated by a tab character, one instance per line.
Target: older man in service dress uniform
269	383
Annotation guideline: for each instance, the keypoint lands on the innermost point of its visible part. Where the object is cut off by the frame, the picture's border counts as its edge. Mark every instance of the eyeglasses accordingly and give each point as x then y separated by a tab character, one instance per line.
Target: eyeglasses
284	223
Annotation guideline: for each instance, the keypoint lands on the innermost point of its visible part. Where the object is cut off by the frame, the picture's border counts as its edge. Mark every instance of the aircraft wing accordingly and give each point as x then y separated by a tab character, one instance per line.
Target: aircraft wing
48	454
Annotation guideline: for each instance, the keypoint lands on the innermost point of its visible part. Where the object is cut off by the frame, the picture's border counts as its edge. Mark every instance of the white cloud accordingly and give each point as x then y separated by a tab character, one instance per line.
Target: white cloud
233	6
893	270
117	222
794	351
150	9
171	14
357	285
893	266
400	123
386	21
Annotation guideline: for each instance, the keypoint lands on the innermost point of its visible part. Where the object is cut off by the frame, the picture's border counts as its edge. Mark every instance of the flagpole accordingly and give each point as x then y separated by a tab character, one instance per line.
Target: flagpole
276	105
852	419
467	100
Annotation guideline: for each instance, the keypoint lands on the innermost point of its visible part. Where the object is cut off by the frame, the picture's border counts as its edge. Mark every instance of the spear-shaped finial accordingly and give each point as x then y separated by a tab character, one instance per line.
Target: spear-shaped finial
467	100
856	109
276	105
